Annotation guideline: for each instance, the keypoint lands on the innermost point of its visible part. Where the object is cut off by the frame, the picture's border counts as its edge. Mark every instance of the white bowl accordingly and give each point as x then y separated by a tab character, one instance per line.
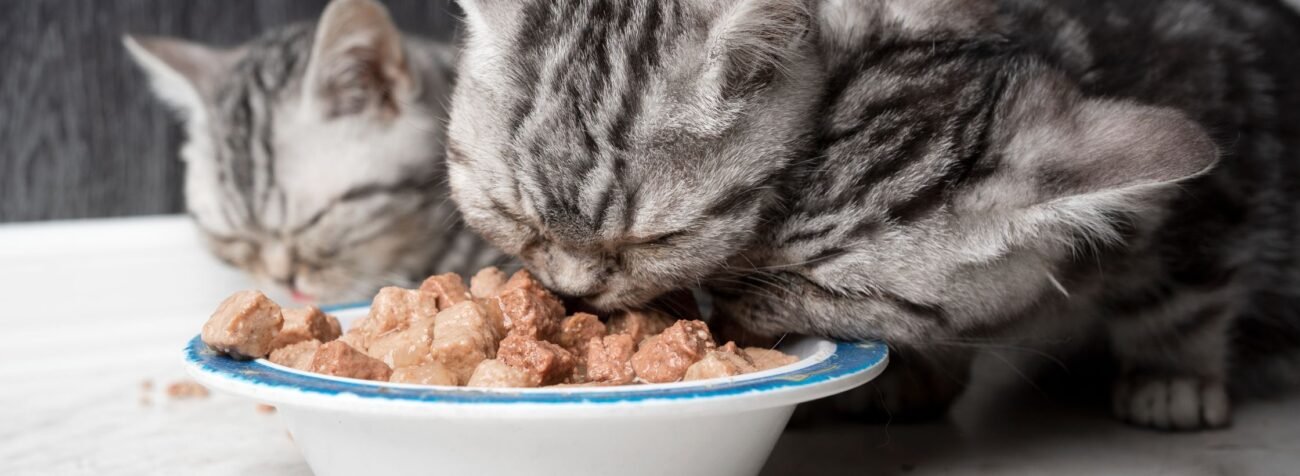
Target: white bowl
710	427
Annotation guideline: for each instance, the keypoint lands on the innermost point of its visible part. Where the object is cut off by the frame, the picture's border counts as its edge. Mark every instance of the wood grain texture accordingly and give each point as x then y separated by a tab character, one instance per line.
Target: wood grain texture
81	136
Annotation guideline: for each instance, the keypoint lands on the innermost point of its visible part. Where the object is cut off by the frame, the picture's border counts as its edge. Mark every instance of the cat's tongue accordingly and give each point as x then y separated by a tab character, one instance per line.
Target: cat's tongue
301	298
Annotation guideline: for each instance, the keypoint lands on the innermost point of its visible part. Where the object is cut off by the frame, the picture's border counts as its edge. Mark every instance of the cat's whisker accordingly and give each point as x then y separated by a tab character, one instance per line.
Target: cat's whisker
999	346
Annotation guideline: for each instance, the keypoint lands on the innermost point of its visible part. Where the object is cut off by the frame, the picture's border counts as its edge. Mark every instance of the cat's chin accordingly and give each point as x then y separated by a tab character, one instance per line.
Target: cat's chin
616	301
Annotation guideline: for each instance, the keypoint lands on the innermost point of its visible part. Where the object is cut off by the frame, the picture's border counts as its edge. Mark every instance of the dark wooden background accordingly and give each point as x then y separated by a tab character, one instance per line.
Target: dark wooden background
81	135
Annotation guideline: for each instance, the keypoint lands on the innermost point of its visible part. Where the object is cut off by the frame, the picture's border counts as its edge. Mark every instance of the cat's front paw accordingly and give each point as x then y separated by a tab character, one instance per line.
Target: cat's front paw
1172	403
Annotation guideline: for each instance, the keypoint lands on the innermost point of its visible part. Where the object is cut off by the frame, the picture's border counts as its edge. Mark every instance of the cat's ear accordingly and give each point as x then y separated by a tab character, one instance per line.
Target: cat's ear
1104	146
357	62
751	40
183	74
1075	157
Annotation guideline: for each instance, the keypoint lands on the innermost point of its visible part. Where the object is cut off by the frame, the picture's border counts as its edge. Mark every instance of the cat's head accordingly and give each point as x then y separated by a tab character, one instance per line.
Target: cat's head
626	148
962	185
314	152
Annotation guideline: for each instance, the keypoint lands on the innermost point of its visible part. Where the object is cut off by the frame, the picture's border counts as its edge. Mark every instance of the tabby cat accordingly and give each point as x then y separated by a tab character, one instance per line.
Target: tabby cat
919	171
314	154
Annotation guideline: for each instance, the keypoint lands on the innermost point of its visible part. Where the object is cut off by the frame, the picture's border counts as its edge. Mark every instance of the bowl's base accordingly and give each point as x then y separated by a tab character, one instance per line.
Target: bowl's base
336	443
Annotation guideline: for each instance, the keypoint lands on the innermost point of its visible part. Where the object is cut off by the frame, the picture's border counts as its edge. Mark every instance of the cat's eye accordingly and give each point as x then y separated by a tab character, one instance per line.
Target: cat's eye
234	251
663	239
327	253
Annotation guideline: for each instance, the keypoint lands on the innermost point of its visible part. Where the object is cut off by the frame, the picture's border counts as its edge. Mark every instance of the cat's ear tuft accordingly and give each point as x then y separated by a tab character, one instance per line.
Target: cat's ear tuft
357	62
489	19
183	74
1105	146
751	41
847	23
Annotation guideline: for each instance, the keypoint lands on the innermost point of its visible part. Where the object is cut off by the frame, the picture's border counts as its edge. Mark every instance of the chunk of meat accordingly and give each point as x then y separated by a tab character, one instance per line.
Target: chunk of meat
522	279
578	329
448	287
394	308
487	282
306	323
406	347
355	337
725	361
463	336
427	373
666	356
525	313
244	326
769	359
609	359
341	360
550	362
297	355
495	373
639	324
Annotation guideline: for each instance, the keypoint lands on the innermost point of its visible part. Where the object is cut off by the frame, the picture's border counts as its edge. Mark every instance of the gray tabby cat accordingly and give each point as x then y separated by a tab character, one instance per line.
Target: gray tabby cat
314	156
926	172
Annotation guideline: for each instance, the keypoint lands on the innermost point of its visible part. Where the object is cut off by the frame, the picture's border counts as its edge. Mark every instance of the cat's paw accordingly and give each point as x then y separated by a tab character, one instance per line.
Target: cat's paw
1178	403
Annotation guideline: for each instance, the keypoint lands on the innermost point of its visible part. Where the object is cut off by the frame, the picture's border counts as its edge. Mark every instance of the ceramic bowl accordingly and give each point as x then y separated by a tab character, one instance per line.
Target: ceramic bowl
709	427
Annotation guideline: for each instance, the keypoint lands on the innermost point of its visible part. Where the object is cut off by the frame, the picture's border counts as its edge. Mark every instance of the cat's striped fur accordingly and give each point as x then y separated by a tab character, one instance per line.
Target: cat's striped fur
314	154
925	171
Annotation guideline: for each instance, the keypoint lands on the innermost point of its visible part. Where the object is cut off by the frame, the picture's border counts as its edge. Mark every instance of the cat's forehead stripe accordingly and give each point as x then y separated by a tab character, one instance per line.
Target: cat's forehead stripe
246	103
592	59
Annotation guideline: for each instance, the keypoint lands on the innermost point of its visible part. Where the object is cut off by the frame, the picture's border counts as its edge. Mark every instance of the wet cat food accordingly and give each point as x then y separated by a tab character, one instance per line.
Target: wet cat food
244	326
497	331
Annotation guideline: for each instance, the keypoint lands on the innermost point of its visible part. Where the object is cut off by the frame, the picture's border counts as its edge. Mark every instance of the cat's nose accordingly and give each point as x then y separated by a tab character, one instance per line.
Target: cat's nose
577	292
575	276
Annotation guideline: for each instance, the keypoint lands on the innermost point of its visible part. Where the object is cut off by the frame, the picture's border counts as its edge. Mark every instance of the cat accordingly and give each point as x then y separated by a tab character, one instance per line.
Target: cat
314	154
927	172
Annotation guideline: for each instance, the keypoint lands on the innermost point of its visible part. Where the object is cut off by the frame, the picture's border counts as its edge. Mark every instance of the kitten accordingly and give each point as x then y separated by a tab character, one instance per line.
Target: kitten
314	154
921	171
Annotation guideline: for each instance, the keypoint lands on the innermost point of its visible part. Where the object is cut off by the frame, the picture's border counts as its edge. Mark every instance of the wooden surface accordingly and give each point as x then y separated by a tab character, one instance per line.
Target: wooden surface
80	134
93	309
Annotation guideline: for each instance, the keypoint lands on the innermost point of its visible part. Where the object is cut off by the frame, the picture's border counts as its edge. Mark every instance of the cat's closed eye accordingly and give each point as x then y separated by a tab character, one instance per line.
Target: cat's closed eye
662	239
234	251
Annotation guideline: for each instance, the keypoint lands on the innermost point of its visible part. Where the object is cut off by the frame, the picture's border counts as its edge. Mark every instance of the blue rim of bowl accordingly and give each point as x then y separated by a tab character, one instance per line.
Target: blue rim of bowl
847	360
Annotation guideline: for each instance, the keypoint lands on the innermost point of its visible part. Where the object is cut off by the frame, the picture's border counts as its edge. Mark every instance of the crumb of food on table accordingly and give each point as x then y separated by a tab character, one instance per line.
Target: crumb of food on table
498	331
146	385
186	389
264	408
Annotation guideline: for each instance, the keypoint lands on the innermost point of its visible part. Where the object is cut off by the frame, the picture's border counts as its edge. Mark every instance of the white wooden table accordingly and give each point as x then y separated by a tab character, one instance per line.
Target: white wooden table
92	309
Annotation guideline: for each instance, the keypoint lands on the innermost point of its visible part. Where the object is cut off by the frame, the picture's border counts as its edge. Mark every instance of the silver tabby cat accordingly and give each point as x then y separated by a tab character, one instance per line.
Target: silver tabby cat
922	171
314	154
